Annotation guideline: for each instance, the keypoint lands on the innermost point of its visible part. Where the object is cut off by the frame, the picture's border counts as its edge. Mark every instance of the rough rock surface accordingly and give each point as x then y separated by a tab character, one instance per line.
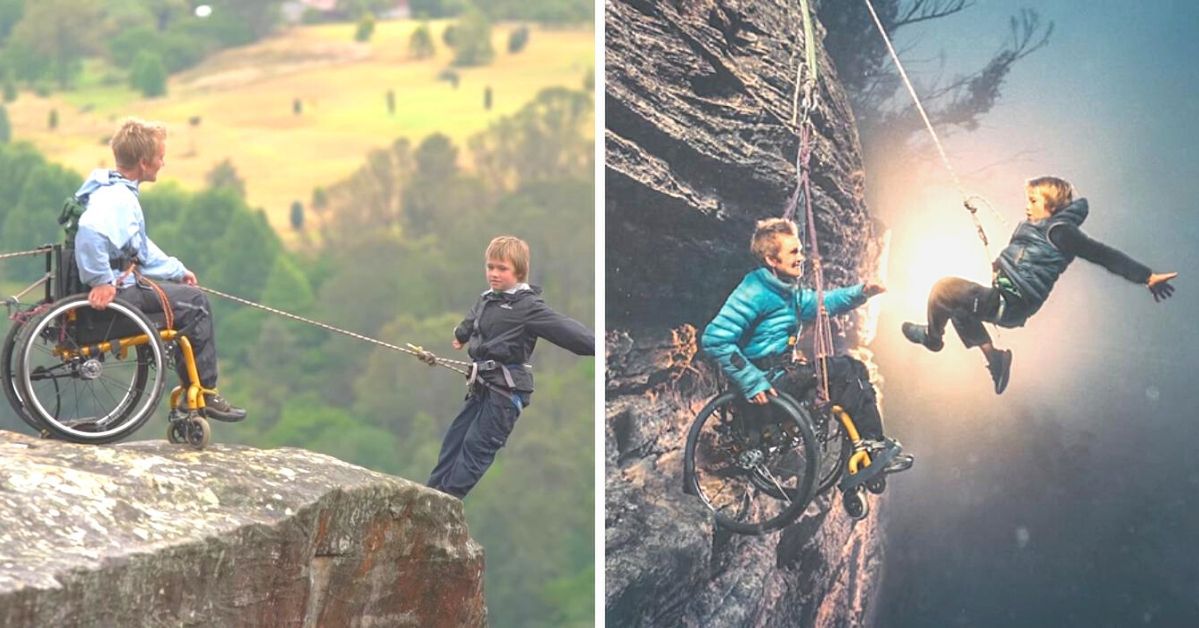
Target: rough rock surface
150	534
700	144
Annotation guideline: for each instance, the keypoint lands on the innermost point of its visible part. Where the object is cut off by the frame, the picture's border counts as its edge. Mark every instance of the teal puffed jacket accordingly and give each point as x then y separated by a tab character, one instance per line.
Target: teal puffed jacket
759	318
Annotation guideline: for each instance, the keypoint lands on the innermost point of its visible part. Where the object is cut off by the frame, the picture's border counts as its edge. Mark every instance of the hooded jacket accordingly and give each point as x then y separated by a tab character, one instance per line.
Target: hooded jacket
505	326
114	227
758	321
1032	262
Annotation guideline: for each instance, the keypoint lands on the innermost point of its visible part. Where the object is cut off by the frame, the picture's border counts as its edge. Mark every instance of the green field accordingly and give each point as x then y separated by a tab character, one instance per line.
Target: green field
243	99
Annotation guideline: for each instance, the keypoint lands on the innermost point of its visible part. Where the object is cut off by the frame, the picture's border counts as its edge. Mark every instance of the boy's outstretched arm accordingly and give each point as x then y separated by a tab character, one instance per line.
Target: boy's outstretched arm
561	330
1070	239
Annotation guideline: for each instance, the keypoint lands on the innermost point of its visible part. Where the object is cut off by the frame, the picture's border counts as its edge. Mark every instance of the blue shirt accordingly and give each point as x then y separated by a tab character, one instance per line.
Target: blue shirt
112	227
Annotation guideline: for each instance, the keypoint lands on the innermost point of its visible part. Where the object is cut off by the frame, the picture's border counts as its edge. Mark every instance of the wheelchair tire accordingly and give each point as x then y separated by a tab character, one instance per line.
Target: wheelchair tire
98	398
8	379
835	450
755	473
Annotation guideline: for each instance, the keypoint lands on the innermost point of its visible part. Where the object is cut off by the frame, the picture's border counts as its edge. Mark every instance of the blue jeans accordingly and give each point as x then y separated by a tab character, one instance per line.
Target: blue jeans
478	432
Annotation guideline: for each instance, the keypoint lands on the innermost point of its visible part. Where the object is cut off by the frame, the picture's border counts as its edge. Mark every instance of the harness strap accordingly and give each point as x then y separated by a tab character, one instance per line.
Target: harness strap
140	279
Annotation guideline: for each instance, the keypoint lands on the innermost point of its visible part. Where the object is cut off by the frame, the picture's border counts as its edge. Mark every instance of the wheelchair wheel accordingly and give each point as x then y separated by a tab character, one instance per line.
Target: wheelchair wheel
855	504
753	466
8	379
80	392
835	449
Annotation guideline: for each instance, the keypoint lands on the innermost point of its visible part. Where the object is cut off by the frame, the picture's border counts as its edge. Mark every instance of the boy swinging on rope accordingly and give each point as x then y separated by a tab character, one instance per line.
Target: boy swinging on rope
501	331
753	334
1040	250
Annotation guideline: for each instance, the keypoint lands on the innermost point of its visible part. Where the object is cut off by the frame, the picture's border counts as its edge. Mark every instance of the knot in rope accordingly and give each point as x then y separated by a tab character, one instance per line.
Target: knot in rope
421	354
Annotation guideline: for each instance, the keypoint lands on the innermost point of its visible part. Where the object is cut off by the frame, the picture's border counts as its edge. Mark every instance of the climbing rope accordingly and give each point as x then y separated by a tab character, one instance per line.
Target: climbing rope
823	337
428	357
967	200
421	354
38	251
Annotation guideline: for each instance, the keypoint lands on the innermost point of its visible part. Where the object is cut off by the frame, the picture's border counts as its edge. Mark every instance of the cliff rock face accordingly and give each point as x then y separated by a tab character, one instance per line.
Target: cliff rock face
147	533
700	144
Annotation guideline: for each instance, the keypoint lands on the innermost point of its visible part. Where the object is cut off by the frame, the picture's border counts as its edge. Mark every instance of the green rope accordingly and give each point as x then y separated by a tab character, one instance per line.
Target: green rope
807	87
809	40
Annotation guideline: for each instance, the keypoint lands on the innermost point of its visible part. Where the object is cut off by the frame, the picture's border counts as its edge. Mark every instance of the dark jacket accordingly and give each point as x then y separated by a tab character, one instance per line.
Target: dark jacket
505	328
1032	263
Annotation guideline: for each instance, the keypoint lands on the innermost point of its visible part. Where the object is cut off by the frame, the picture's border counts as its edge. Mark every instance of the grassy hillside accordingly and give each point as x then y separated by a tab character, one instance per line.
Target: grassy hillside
243	98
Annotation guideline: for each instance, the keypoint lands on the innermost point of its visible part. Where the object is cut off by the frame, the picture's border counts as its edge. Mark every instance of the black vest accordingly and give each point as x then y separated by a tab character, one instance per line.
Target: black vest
1031	262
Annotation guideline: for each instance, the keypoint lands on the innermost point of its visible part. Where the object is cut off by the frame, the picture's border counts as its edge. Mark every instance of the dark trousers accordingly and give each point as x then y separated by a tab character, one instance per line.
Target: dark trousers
476	435
849	387
967	304
193	319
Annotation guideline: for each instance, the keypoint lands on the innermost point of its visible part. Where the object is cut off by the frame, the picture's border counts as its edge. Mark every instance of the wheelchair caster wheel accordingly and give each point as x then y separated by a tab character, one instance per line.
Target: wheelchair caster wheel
855	505
177	431
198	433
877	485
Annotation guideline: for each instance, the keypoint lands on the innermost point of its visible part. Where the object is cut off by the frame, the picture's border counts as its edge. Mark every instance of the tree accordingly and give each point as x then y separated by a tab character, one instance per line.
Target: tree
432	9
297	215
148	74
10	87
366	27
543	11
45	44
5	126
472	40
518	39
420	43
52	119
886	118
224	175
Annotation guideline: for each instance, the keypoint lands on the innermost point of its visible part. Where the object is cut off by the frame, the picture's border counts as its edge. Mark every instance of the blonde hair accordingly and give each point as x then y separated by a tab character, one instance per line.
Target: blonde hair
1058	192
513	250
137	140
765	242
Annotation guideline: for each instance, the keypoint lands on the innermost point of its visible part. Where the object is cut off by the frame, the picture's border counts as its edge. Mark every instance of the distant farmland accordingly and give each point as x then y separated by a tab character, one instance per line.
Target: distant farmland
243	99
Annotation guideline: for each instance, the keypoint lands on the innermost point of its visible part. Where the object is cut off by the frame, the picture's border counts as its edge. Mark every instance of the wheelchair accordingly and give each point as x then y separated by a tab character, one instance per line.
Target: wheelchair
757	467
83	375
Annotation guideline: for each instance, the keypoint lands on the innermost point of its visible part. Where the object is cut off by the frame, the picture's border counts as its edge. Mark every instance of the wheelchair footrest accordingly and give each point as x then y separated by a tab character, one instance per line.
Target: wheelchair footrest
889	460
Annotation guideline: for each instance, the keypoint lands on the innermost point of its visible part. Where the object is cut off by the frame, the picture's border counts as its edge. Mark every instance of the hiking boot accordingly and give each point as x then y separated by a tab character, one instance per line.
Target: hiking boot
1001	368
919	335
216	407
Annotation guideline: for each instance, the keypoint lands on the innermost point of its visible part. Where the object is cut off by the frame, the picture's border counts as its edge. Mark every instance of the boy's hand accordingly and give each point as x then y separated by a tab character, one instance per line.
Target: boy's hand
100	296
1159	285
873	288
760	398
455	344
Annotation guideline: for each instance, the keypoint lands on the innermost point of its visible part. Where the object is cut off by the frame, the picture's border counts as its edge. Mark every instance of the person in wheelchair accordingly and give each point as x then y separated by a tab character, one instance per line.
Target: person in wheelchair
752	336
112	232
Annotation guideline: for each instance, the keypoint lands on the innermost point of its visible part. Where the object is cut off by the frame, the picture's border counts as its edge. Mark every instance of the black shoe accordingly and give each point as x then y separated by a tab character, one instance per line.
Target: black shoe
919	335
215	407
1000	368
889	453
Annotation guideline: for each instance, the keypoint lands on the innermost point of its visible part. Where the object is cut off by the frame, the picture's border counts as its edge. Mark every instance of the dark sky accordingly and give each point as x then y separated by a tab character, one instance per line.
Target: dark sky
1069	500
